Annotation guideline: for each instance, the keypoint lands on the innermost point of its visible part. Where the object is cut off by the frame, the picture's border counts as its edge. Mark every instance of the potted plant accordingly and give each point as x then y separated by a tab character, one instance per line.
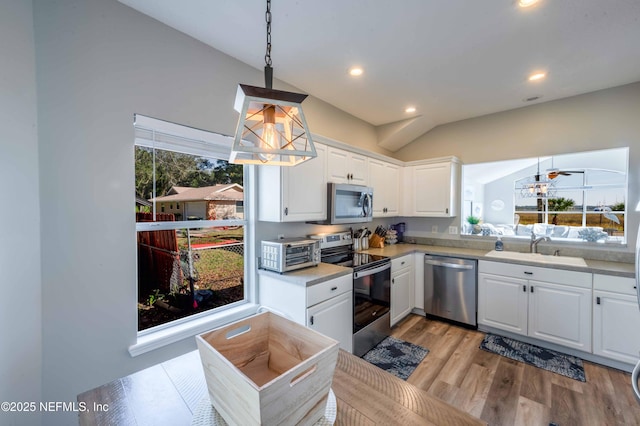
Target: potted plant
474	222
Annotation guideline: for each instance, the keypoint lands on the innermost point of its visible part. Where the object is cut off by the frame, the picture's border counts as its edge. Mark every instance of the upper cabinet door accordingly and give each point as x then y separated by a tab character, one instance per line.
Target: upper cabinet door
433	190
346	167
294	194
385	179
305	189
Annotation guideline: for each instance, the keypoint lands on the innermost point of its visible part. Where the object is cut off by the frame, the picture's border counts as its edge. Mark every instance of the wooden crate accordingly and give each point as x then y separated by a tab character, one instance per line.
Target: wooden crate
268	370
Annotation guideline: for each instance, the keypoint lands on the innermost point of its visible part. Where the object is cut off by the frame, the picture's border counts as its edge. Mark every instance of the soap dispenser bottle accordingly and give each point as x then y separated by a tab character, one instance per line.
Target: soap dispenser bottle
499	244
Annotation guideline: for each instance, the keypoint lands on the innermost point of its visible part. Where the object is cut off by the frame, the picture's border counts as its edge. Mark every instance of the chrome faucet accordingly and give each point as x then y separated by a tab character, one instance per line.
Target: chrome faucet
533	245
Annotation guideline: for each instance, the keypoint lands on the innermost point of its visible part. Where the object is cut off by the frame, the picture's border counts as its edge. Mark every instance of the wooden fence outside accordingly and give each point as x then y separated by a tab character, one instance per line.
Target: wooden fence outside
158	256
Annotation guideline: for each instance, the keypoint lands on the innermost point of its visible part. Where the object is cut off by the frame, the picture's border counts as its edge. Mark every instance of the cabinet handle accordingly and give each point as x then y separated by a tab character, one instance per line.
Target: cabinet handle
393	280
286	211
334	288
446	210
598	300
528	273
531	289
524	288
311	320
402	263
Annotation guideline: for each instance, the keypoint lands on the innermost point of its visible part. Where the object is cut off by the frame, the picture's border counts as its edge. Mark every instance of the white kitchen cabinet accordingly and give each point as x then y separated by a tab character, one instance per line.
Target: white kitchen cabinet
616	318
333	318
432	189
294	194
326	307
561	314
347	167
502	302
402	291
384	177
548	304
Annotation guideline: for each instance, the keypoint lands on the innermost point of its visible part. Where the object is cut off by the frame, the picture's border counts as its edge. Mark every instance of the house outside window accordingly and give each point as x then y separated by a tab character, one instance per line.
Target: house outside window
190	260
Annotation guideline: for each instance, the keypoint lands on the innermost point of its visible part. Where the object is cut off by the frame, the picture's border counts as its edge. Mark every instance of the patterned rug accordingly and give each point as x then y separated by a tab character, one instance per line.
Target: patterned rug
396	356
566	365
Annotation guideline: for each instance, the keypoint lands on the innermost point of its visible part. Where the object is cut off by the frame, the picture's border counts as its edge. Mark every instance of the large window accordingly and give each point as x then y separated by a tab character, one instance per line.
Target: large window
578	197
190	224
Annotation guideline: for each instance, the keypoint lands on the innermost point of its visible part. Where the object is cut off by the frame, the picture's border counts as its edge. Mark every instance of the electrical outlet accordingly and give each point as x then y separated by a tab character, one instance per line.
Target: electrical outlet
434	229
453	229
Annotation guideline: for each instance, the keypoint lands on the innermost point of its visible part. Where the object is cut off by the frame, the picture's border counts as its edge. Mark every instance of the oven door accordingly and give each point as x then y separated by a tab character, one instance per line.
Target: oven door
371	307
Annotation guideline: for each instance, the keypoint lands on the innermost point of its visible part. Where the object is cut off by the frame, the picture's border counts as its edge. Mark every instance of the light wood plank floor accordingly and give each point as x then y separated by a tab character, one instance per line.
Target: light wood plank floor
505	392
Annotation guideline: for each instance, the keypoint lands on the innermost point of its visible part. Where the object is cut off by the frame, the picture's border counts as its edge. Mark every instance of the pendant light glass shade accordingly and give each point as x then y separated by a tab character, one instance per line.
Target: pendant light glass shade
272	128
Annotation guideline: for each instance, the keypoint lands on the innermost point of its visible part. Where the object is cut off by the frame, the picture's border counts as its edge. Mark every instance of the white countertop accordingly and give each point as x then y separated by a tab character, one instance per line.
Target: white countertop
593	266
312	275
326	271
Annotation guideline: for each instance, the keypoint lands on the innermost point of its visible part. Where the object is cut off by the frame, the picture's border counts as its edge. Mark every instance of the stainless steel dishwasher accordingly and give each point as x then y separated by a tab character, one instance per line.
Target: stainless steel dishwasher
450	288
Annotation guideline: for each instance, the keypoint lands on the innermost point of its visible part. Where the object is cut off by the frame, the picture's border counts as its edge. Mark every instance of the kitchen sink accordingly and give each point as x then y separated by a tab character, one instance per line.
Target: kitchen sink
538	258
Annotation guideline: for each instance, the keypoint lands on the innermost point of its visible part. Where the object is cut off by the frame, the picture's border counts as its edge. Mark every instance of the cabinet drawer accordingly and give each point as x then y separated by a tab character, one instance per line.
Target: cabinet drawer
614	284
401	263
559	276
322	291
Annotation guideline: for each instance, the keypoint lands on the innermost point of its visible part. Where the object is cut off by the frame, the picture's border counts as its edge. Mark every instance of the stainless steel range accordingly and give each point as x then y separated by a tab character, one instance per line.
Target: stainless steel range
371	288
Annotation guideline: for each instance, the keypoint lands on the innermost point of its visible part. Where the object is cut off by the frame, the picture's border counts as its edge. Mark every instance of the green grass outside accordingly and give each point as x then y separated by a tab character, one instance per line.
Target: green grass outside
573	219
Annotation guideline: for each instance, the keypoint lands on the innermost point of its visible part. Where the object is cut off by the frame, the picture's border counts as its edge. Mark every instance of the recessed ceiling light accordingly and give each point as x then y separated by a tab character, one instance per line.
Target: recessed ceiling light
410	109
537	76
527	3
355	71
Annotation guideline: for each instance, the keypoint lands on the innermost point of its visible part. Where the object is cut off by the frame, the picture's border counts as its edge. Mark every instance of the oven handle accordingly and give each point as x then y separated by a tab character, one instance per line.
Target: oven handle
367	272
447	265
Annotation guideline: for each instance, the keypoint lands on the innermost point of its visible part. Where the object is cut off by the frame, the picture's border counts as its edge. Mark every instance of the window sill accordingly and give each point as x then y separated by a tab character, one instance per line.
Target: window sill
156	339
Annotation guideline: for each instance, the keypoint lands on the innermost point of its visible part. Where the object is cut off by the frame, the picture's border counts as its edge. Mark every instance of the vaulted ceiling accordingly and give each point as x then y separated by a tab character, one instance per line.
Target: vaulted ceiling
451	60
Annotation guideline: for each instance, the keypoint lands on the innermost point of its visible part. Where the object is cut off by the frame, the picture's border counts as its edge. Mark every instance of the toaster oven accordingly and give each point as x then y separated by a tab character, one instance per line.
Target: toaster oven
289	254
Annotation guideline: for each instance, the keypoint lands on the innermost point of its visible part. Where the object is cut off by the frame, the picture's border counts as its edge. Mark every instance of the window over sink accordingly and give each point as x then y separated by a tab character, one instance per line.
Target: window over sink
577	198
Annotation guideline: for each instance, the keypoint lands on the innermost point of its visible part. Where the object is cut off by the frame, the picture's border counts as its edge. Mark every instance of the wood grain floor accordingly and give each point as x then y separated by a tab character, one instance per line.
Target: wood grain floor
505	392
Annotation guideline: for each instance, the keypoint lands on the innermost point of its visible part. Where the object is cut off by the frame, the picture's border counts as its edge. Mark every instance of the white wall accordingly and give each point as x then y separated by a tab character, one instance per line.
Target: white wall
20	282
99	62
598	120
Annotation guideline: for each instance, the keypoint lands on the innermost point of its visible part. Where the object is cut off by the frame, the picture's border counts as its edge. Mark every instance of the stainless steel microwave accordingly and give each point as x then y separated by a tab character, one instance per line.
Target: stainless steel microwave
349	203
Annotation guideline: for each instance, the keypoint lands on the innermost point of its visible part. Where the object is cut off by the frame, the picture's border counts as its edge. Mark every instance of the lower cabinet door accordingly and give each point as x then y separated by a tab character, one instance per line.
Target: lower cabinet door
560	314
334	318
502	302
616	321
401	295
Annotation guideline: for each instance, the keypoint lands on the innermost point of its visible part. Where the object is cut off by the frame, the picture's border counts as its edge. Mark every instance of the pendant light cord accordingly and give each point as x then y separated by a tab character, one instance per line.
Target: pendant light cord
268	71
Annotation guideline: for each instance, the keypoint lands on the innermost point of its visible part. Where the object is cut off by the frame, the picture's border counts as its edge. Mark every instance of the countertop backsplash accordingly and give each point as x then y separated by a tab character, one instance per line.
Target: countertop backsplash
594	251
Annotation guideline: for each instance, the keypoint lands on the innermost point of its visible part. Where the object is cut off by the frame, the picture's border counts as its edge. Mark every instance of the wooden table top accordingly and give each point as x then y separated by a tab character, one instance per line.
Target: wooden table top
168	394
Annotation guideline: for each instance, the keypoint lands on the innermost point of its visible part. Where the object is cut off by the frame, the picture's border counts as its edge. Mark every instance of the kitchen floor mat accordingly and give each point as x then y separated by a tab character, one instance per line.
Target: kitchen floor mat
556	362
396	356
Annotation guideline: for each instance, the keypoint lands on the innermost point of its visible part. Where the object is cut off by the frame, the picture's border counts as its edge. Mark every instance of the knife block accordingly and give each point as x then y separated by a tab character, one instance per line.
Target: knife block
376	241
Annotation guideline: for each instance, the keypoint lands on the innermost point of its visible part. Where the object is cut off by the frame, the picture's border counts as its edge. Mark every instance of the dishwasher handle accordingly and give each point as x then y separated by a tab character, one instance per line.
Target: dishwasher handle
447	264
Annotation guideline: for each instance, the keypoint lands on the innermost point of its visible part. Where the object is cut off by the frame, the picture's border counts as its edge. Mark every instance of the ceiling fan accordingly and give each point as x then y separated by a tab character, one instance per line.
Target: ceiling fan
554	172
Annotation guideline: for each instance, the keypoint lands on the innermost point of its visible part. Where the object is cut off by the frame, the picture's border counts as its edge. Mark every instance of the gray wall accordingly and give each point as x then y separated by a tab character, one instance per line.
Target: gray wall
99	62
20	302
598	120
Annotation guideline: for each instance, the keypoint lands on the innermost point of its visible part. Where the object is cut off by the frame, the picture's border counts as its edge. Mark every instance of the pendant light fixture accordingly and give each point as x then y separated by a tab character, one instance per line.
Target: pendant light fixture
272	129
538	186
